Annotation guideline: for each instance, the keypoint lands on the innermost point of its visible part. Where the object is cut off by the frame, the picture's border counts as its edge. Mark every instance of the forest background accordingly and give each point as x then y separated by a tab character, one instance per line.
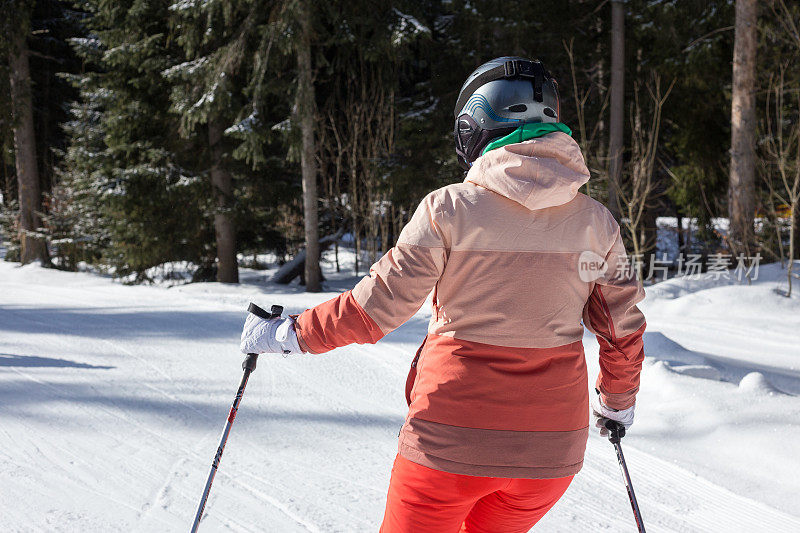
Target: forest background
137	133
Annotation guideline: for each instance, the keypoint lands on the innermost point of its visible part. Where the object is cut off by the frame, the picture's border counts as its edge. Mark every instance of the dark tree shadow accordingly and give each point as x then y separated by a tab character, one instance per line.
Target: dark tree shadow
121	322
12	360
19	397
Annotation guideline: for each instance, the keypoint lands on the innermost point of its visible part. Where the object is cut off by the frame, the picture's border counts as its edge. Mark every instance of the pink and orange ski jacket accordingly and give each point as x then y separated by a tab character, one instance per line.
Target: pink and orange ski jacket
501	384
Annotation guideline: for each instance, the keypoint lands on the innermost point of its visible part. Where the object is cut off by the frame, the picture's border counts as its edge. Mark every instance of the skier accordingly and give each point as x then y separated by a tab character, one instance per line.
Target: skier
515	258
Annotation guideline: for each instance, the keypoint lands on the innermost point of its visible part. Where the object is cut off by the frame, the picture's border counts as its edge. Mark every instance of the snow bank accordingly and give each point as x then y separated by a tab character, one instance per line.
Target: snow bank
722	382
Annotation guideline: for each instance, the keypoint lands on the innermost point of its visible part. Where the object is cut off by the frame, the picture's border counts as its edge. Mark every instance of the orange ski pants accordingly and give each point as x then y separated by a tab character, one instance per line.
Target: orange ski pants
424	500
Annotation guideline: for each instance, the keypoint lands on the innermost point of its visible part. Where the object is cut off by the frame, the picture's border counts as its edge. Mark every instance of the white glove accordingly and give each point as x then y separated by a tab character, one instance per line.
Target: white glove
601	411
276	335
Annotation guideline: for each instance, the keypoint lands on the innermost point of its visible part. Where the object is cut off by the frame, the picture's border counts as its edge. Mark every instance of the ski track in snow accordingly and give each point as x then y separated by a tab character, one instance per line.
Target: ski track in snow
113	398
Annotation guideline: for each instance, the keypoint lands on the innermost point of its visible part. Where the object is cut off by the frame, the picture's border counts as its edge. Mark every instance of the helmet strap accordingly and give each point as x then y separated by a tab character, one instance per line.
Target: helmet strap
511	69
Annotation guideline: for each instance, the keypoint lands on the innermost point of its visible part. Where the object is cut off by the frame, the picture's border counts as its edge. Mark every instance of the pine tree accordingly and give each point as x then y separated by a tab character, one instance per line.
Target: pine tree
78	214
215	38
228	84
125	161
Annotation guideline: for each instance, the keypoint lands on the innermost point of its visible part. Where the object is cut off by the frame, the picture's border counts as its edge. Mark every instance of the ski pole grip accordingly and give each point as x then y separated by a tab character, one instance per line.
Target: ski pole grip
615	430
275	311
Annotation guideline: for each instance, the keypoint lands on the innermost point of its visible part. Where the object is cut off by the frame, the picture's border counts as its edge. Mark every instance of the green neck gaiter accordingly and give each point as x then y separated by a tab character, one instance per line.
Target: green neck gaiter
531	130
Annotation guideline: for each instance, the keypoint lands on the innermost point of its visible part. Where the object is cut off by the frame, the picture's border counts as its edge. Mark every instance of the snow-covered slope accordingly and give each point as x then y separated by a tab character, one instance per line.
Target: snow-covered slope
112	399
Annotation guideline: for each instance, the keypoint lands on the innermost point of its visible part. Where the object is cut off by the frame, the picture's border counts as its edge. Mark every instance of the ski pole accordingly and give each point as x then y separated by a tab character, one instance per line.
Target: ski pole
249	365
615	433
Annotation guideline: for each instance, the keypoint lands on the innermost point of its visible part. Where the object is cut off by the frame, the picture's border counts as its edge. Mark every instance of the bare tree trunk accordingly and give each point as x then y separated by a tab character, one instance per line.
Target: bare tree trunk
602	90
28	186
795	224
6	185
358	246
305	115
650	231
617	111
741	188
639	188
222	185
790	269
681	241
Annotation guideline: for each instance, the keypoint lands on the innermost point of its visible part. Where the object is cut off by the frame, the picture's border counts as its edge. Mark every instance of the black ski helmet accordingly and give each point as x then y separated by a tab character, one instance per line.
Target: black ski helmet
499	97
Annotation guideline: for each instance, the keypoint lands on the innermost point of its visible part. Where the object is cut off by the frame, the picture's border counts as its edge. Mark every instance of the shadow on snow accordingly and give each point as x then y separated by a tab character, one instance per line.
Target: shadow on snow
12	360
79	399
125	322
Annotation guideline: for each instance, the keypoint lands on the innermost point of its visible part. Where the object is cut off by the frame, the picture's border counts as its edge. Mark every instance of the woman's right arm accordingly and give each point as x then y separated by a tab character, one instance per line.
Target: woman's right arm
397	286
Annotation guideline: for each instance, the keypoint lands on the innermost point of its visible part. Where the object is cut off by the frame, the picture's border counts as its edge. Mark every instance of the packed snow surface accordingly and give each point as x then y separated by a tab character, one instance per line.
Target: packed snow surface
113	398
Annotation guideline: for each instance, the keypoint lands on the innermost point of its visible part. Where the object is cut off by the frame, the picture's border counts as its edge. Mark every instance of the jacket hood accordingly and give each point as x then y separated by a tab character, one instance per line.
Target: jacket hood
539	173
